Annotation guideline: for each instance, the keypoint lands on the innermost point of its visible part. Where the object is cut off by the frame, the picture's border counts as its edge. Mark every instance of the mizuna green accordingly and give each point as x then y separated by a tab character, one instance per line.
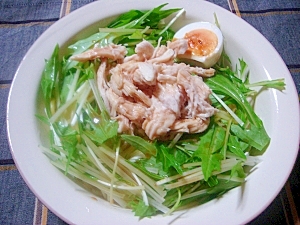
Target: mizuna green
149	177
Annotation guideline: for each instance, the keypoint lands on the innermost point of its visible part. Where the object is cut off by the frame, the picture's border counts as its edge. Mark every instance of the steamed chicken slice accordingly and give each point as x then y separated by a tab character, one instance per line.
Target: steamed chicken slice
112	51
159	121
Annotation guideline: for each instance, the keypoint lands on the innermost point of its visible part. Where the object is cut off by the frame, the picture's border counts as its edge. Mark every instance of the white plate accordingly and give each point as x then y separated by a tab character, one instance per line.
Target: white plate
278	110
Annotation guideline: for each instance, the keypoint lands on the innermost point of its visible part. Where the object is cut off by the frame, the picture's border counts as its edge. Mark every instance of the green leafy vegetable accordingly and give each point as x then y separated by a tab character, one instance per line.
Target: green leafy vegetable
140	144
102	129
277	84
221	84
238	171
167	159
49	79
207	151
142	210
257	137
237	147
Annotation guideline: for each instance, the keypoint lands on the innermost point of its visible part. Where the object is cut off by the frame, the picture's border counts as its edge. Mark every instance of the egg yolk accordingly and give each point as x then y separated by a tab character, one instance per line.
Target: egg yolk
201	42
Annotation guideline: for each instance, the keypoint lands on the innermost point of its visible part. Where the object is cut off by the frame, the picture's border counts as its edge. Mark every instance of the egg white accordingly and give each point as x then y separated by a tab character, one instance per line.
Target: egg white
197	60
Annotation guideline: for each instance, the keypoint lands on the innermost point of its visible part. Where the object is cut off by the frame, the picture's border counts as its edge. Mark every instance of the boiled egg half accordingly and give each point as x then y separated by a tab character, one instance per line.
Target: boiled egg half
205	44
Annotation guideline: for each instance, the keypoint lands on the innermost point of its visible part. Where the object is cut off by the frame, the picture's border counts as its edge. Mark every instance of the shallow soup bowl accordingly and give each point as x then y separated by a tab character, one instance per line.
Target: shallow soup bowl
278	110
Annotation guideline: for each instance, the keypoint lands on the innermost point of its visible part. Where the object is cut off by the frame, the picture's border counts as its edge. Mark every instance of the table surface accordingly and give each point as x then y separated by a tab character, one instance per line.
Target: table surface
22	22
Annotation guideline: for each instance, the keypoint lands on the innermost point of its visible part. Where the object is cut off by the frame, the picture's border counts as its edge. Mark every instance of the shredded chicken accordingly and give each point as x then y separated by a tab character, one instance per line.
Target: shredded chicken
114	52
148	92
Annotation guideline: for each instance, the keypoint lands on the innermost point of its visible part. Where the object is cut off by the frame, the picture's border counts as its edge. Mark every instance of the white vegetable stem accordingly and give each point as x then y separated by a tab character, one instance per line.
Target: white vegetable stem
172	21
194	175
235	117
64	107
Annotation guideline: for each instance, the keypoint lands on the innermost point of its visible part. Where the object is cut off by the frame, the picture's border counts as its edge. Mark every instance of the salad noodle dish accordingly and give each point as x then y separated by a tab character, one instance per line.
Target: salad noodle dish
149	119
